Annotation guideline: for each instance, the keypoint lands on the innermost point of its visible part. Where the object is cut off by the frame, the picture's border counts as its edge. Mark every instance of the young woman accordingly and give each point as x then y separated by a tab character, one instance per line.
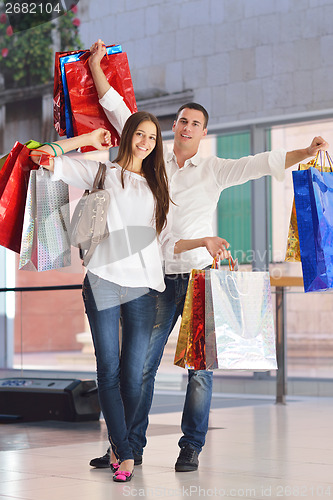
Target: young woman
125	272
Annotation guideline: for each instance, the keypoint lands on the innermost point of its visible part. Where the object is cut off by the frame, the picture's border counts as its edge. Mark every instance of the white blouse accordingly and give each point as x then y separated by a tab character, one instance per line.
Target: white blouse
132	254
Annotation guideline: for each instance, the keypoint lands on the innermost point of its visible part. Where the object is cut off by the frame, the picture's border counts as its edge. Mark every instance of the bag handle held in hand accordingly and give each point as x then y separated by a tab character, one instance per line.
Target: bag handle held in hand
323	156
233	264
44	157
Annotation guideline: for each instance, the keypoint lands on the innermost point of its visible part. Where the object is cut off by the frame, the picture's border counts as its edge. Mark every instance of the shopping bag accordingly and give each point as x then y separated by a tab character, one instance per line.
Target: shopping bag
184	356
87	113
2	161
243	321
313	192
45	241
14	177
197	355
58	93
61	104
293	253
67	106
80	88
30	144
210	337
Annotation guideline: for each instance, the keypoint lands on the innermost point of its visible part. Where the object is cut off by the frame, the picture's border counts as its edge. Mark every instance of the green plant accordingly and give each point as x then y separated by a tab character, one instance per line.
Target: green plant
26	58
68	26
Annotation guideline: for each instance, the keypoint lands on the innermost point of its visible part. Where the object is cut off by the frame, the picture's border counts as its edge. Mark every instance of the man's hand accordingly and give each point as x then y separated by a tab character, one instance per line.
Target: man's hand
217	247
317	144
299	155
100	139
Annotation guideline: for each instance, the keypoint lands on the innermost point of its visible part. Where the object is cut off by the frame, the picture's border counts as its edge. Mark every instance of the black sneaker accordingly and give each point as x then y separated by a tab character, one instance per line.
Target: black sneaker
104	461
137	458
101	462
187	460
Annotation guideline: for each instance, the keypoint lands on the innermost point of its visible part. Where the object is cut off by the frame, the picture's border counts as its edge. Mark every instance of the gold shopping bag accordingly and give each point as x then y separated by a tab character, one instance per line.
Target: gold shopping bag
293	253
184	356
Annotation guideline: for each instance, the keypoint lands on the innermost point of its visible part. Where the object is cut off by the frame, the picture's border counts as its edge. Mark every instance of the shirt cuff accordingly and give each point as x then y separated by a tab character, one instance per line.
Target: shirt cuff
111	100
277	163
55	175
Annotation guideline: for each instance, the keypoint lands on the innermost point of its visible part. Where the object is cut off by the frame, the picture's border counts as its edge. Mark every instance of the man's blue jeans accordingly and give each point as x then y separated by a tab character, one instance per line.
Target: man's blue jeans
119	377
194	424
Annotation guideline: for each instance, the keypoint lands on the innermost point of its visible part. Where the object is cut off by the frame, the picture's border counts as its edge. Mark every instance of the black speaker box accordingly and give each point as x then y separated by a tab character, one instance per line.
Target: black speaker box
33	399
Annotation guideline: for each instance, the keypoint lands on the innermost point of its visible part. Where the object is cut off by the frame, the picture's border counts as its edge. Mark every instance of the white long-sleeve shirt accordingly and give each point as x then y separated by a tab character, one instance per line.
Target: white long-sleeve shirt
195	188
132	255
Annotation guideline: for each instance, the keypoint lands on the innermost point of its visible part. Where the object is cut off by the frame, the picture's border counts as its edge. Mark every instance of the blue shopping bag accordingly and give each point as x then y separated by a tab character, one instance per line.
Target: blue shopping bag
68	112
313	191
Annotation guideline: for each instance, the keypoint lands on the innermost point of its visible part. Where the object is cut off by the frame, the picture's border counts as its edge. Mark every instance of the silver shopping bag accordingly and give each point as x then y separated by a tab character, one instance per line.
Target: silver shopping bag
210	337
241	317
45	241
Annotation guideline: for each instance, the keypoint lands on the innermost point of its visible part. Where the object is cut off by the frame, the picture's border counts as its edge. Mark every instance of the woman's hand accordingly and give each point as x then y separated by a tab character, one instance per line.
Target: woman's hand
97	51
100	139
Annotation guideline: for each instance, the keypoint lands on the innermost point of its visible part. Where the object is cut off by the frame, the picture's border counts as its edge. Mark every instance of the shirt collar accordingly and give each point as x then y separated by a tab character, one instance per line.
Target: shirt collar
195	160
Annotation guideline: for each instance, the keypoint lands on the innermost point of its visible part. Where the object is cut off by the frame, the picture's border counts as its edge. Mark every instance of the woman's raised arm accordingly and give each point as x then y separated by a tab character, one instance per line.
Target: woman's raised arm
99	139
98	51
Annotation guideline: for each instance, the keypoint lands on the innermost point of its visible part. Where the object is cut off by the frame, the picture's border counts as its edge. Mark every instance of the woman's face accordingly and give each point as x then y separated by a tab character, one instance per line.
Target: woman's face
144	140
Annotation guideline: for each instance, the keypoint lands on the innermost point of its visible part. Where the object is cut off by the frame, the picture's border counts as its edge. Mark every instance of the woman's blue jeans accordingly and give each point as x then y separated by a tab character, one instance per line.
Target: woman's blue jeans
195	418
119	375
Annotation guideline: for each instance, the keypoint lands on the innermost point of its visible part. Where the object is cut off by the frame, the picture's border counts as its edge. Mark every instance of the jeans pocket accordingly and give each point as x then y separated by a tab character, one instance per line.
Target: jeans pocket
153	293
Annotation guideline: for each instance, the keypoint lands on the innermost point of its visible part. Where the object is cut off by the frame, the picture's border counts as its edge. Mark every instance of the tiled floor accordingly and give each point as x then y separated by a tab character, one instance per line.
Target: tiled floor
255	449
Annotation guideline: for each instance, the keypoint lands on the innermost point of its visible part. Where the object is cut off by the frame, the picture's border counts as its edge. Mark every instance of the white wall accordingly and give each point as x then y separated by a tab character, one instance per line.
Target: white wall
243	58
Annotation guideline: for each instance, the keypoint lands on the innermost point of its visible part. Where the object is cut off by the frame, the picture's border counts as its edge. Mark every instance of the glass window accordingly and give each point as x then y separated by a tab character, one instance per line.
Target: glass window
309	316
234	207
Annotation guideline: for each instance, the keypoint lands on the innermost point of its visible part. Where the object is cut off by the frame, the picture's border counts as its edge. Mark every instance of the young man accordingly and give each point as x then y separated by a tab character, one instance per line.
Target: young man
195	186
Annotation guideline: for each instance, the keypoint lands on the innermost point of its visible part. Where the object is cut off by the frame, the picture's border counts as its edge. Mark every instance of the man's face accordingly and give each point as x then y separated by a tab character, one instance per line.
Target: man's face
189	129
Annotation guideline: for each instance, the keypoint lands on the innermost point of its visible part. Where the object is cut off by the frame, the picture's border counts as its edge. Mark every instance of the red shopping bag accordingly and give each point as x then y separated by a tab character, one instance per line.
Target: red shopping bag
14	178
87	113
2	161
190	350
198	323
58	94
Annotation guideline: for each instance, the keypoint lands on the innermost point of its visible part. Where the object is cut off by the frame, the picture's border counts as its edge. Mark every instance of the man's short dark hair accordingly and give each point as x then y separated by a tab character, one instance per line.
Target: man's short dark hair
198	107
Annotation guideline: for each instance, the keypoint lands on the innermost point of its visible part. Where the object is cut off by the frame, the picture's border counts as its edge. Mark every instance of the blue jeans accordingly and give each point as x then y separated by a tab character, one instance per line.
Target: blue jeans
119	375
194	423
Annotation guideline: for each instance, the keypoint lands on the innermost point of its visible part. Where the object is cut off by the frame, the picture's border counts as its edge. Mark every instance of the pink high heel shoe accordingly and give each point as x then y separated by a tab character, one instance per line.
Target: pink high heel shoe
114	467
122	476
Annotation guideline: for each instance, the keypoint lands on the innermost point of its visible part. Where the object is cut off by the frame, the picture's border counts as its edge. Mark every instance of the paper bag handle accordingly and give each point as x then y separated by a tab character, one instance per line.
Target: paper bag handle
323	156
230	276
233	264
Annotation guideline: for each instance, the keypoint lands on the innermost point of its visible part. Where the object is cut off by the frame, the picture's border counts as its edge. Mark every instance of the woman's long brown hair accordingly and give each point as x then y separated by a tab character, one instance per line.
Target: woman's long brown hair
153	166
